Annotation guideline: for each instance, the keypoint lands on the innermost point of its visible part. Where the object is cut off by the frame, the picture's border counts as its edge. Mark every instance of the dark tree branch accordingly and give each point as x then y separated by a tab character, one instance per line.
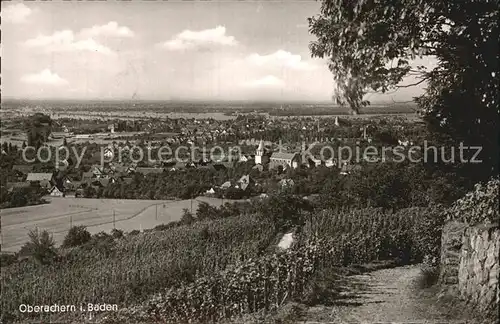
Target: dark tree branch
412	84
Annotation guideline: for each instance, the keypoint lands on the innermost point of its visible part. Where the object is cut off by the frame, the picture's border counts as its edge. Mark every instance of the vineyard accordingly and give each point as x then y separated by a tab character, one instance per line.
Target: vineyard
216	269
135	266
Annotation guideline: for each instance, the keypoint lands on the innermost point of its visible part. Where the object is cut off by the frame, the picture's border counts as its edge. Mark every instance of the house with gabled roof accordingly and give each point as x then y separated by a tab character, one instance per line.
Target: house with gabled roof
226	185
56	192
44	179
97	171
244	182
286	160
39	177
178	166
258	167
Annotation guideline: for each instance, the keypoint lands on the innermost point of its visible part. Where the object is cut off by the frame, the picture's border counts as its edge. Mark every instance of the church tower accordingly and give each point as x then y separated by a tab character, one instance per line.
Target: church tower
259	153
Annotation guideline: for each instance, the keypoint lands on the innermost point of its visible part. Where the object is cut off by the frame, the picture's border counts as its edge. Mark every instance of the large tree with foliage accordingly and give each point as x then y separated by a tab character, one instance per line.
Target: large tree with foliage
38	128
371	46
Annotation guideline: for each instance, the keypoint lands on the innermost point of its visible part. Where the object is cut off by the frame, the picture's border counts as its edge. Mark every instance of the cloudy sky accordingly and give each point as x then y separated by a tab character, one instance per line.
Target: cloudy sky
163	50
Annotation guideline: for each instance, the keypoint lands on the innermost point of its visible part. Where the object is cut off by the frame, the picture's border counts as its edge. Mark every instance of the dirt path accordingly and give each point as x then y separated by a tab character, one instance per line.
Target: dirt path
380	297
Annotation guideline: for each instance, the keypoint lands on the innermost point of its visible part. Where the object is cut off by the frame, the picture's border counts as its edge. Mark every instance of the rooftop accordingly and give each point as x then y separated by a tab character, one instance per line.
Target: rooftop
39	176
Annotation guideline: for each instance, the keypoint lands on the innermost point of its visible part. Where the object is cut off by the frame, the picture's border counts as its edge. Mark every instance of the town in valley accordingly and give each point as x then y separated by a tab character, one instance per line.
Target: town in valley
249	162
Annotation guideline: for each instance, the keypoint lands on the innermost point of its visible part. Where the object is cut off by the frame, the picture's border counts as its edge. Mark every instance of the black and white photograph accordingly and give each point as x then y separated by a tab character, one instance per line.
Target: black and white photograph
249	161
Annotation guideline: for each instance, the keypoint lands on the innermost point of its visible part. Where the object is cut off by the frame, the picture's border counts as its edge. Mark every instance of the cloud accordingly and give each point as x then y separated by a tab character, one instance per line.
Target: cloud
16	13
280	58
188	39
269	81
65	41
111	29
45	77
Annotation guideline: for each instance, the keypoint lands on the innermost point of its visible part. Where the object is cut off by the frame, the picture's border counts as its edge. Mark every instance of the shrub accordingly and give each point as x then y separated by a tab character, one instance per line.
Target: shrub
164	227
116	233
77	235
41	247
7	259
283	210
478	206
101	242
187	217
134	232
206	211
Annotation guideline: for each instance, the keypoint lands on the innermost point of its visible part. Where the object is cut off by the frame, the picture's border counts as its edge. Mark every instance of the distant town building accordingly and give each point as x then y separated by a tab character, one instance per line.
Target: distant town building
226	185
286	160
44	179
259	154
11	186
244	182
145	171
55	192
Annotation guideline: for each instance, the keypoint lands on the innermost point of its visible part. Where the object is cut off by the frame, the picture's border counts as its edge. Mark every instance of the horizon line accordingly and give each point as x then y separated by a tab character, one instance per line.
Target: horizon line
267	101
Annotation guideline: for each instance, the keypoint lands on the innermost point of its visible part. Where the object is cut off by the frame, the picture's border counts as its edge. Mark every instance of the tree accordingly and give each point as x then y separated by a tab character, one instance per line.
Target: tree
206	211
77	235
18	199
284	210
89	192
38	128
371	45
41	246
116	233
234	193
187	218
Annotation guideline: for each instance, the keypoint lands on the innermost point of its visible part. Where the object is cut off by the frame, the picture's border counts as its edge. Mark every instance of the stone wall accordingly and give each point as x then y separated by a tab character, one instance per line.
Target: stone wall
470	264
451	244
478	271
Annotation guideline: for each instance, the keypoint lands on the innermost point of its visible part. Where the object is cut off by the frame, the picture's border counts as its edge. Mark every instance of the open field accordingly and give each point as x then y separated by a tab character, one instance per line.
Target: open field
134	115
97	214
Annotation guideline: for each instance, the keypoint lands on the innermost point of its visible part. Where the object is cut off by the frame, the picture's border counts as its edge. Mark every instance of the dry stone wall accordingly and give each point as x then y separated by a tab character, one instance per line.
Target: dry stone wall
470	264
478	271
451	245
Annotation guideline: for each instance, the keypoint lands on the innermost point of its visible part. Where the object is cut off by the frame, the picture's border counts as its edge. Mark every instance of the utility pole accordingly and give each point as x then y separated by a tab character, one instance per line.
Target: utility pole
191	203
70	221
114	223
156	214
